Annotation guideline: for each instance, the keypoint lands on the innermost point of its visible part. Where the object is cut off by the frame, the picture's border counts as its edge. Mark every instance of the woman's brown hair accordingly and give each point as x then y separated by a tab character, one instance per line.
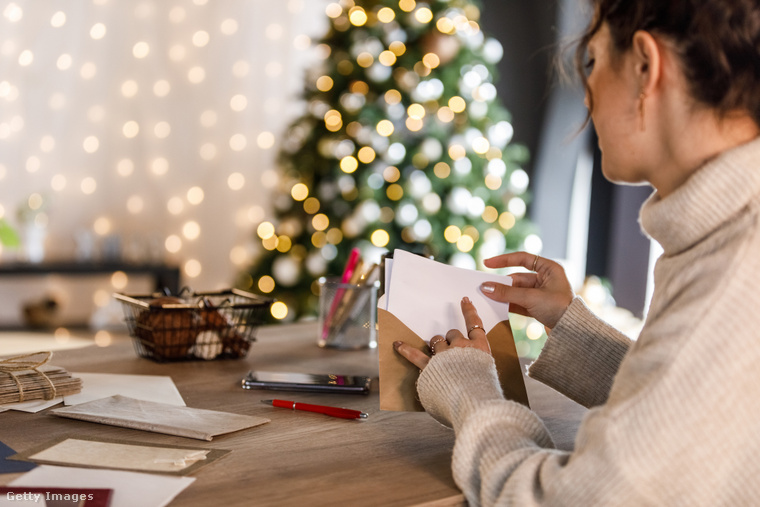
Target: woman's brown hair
717	42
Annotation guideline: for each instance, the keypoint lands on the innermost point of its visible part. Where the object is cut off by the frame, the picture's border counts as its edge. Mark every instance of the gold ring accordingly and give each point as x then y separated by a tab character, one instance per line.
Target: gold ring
433	343
535	261
473	328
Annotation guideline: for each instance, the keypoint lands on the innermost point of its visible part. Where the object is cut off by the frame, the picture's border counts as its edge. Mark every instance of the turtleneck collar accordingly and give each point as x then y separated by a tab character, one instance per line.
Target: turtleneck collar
712	195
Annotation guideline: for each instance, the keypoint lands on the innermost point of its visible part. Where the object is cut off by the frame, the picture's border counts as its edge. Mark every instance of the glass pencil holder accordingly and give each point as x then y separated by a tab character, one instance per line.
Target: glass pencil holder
347	315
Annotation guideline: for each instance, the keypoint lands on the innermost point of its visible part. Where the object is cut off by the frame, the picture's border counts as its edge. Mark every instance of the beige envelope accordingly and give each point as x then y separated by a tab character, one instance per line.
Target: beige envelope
398	377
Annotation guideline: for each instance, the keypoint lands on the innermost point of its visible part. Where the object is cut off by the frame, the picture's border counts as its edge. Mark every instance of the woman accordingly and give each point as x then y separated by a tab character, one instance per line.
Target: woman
673	89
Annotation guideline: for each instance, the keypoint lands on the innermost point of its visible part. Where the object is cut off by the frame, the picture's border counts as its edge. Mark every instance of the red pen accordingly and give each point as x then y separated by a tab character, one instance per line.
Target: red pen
343	413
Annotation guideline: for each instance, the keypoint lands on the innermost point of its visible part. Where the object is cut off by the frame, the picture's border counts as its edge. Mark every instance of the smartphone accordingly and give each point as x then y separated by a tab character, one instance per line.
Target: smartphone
307	382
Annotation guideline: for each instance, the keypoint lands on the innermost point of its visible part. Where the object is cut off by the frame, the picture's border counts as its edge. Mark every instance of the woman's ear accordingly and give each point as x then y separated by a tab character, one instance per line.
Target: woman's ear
647	57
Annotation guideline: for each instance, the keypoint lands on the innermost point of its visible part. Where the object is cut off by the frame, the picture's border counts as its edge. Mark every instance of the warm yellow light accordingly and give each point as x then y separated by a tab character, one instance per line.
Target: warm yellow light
480	145
395	192
457	151
200	38
191	230
279	310
320	222
88	185
457	104
357	16
414	124
266	284
130	129
311	205
507	220
387	58
162	129
173	243
397	47
493	181
366	155
359	87
103	338
161	88
385	128
195	195
391	174
490	214
175	205
386	15
445	114
324	83
319	239
349	164
465	243
91	144
238	142
265	140
269	243
238	102
141	49
265	230
159	166
445	25
365	59
392	97
102	226
333	10
196	74
119	280
431	60
442	170
98	31
334	236
380	238
283	244
416	111
534	331
299	192
236	181
423	15
407	5
452	234
193	268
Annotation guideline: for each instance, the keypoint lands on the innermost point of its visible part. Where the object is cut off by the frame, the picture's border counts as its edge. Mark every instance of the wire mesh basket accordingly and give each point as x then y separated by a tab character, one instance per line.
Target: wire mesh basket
193	326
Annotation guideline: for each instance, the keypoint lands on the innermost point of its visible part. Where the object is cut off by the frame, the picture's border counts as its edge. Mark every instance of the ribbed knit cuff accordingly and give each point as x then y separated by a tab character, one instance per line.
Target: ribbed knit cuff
581	356
455	382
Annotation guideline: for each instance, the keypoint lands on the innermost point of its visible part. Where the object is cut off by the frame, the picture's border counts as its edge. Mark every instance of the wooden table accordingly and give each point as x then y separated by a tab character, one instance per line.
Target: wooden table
298	458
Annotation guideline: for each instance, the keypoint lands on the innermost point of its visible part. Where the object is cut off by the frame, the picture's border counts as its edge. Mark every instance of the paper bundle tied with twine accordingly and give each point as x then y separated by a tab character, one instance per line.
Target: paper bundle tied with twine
27	377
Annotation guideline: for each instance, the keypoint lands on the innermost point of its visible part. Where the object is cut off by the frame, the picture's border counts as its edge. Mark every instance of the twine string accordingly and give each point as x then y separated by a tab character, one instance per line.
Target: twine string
15	364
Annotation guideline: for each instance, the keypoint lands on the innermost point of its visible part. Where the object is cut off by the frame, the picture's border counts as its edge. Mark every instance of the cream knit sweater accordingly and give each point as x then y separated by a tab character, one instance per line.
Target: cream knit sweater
675	417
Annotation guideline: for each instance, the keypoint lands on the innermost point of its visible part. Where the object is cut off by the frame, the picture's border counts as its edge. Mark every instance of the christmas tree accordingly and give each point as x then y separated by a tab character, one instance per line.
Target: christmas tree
404	145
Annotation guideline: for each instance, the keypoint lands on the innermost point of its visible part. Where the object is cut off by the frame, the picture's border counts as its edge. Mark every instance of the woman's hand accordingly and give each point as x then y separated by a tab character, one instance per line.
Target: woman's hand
543	295
476	337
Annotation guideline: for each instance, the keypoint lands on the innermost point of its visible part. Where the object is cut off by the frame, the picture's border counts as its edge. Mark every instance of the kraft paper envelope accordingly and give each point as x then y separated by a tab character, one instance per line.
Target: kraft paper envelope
424	298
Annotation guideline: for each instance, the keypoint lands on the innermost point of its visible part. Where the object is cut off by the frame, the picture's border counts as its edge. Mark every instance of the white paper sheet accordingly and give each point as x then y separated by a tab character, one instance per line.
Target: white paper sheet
129	488
425	295
157	388
33	406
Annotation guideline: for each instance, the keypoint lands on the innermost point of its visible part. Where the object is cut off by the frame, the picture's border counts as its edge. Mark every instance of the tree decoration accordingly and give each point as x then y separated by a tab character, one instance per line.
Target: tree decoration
404	144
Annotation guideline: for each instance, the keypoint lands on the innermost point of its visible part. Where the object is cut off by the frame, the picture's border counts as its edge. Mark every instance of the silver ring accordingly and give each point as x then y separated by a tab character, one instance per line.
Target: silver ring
535	261
433	343
473	328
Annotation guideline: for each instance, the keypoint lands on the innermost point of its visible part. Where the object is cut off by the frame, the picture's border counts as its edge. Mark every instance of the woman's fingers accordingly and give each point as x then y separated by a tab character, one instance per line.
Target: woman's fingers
476	334
543	294
512	260
414	356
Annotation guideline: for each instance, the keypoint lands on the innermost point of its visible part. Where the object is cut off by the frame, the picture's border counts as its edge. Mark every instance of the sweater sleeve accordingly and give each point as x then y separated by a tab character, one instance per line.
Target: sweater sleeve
581	356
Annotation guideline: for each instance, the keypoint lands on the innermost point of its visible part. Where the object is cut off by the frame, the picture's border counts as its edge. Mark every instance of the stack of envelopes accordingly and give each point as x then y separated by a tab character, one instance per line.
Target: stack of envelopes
28	380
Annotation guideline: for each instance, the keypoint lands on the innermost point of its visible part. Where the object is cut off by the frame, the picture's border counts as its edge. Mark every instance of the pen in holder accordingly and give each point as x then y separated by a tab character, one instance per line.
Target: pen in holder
347	314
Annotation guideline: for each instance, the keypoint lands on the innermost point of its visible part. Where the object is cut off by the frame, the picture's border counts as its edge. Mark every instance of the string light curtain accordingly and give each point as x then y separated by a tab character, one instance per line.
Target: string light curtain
148	129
